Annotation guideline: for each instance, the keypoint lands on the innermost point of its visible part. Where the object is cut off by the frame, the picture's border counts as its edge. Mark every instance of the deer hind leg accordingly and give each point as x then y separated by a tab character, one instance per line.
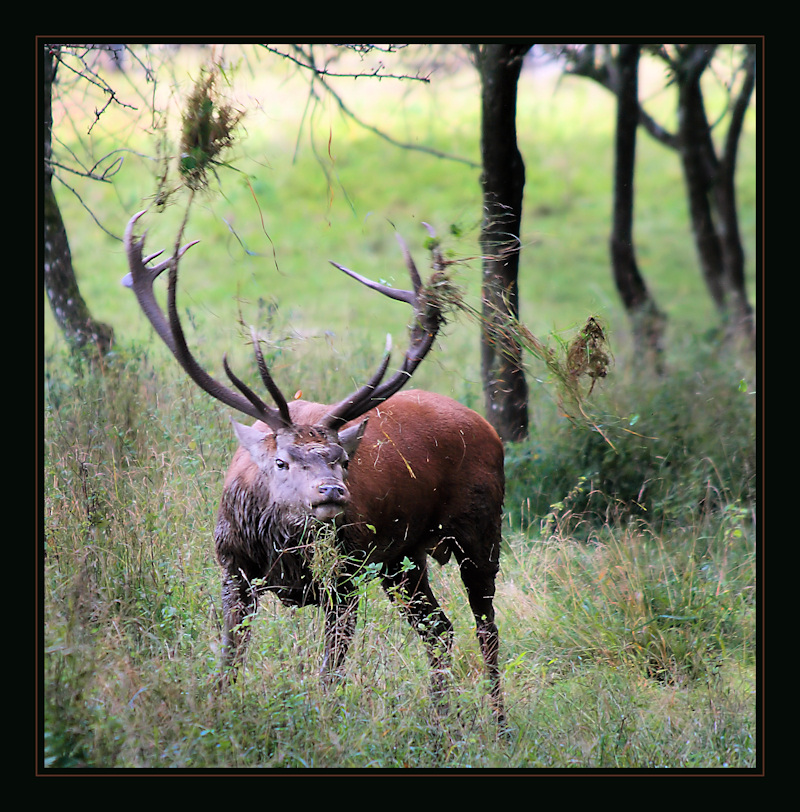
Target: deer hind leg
479	583
411	591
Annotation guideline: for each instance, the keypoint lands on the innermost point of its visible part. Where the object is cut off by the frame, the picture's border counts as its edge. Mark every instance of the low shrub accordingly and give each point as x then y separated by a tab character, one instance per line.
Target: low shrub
667	448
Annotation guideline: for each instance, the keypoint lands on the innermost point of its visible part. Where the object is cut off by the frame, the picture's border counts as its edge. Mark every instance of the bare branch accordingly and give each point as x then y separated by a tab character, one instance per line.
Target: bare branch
306	61
320	75
87	74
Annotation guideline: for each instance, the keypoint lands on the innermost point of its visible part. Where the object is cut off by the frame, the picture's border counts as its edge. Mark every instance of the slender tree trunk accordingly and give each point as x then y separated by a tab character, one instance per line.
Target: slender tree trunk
710	182
503	181
68	306
647	320
697	157
733	258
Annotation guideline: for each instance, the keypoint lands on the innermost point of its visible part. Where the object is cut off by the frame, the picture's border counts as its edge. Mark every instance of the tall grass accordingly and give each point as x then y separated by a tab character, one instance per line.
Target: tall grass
626	600
625	643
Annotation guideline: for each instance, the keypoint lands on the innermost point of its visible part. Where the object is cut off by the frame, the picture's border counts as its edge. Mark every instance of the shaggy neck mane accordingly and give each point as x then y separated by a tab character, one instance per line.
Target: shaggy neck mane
263	543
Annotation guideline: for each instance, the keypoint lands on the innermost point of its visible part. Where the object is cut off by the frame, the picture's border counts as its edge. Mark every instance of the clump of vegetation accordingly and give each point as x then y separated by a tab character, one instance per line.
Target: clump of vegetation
441	294
325	558
207	131
670	448
586	354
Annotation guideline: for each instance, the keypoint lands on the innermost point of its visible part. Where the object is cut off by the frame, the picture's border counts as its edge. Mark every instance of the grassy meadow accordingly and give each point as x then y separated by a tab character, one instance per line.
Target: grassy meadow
627	599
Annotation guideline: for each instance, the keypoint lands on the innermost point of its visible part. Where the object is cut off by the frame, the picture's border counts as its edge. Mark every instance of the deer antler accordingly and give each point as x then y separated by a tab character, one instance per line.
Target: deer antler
140	279
427	319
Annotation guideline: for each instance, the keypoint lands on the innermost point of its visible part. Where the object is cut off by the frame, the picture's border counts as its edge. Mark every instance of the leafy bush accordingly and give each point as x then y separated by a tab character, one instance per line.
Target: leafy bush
669	448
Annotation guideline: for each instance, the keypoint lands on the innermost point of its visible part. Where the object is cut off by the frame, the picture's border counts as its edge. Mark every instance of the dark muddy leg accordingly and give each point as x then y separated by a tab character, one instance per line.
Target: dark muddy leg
480	591
412	593
239	604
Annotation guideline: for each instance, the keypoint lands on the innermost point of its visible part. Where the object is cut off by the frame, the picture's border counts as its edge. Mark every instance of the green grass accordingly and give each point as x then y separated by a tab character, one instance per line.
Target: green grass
632	648
626	600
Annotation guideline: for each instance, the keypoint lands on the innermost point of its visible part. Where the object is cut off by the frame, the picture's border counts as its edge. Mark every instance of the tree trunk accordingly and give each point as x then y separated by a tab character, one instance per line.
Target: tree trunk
647	320
697	157
68	306
503	181
742	321
710	182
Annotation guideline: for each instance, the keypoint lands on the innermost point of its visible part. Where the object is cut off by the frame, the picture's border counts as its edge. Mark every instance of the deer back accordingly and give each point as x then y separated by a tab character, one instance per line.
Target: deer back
427	468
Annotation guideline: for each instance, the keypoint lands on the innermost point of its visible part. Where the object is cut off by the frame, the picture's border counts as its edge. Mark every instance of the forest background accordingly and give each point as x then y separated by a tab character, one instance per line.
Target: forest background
628	596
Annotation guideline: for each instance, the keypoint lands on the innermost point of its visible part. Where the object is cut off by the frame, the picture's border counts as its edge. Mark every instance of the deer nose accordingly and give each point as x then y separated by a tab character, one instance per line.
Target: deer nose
332	491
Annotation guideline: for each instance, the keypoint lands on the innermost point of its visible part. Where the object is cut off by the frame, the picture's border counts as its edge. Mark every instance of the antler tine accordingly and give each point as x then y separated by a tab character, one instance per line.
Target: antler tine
406	296
249	393
272	387
138	263
416	281
362	399
140	279
423	334
427	320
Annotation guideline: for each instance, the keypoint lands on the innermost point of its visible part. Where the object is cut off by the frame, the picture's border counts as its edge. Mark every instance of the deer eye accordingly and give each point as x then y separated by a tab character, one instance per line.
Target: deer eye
281	464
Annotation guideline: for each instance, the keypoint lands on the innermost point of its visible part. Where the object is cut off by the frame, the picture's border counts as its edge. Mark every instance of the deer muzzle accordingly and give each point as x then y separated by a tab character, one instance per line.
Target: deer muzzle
333	497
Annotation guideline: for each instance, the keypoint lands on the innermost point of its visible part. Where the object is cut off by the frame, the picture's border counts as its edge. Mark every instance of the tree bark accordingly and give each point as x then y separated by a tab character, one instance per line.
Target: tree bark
503	182
710	183
733	257
647	320
697	157
70	311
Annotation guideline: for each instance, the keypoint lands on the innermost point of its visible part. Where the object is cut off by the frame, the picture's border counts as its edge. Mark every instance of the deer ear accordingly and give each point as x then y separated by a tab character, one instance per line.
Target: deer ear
350	438
252	439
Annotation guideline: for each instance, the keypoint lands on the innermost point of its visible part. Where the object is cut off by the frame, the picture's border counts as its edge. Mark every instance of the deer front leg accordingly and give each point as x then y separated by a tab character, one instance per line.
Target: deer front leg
411	591
341	614
239	605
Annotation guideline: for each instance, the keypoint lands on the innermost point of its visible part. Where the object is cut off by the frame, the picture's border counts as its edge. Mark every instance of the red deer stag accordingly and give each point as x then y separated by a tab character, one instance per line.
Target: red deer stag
425	477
